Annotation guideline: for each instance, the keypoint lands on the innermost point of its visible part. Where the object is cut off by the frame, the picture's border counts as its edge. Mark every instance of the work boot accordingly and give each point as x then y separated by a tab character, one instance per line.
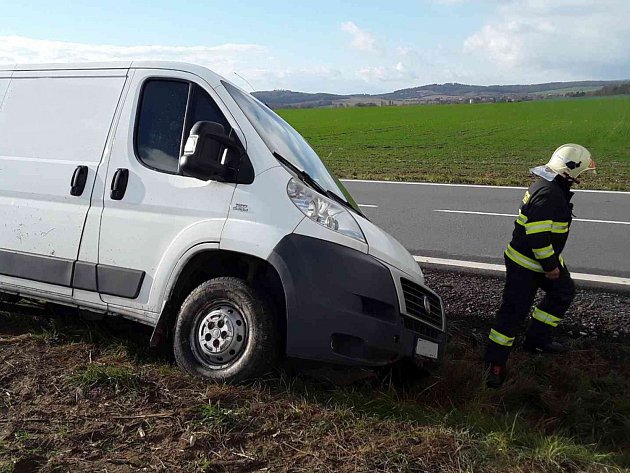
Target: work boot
495	375
550	348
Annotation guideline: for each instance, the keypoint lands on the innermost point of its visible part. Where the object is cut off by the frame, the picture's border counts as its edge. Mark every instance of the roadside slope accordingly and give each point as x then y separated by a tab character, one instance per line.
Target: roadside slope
78	395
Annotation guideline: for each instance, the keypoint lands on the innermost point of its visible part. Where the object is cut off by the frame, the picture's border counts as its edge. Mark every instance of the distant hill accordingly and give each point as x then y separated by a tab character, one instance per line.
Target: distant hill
432	93
463	90
289	98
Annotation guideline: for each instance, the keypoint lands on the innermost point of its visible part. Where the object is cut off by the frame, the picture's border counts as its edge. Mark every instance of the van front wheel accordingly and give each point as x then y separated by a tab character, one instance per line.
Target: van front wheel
226	332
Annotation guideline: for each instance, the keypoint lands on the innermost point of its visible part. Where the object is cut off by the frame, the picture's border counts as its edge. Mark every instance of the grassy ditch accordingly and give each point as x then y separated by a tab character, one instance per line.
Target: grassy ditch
80	395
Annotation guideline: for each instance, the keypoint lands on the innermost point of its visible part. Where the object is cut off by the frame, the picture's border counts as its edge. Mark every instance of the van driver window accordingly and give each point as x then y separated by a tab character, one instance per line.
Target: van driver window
204	109
161	119
160	123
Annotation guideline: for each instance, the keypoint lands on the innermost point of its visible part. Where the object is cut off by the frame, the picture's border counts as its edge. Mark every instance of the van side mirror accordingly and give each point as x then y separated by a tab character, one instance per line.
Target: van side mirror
205	151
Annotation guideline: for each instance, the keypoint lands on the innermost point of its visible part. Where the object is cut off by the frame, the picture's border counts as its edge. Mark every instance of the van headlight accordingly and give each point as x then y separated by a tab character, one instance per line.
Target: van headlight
323	210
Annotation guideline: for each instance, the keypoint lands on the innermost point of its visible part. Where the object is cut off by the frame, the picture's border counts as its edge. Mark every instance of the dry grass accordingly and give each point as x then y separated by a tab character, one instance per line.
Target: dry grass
90	396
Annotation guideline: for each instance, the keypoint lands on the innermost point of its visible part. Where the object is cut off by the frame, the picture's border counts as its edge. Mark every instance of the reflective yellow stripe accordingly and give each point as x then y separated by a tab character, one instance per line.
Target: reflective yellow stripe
501	339
521	219
559	227
538	227
542	253
523	260
542	226
561	259
546	317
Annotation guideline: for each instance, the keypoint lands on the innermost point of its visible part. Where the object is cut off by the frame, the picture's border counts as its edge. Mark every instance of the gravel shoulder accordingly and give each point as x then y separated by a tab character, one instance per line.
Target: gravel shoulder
594	313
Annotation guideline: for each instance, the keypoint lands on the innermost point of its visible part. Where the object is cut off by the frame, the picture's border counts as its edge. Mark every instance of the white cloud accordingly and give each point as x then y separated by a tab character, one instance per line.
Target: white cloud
520	41
398	72
560	39
251	61
361	39
224	59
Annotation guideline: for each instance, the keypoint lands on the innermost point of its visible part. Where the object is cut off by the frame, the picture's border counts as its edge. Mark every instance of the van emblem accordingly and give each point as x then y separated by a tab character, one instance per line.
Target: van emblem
427	305
241	207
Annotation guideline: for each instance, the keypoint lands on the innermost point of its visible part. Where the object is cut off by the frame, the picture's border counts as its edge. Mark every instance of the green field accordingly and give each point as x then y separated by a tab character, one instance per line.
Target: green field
482	143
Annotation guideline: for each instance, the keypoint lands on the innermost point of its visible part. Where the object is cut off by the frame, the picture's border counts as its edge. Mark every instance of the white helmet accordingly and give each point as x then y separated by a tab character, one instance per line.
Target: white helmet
571	159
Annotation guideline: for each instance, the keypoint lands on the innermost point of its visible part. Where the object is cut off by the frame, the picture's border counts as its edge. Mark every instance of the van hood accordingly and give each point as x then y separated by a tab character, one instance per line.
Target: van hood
385	247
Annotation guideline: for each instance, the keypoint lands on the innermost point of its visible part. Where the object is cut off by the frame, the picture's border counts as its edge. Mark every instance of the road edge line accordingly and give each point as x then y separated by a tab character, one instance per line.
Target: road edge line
499	268
480	186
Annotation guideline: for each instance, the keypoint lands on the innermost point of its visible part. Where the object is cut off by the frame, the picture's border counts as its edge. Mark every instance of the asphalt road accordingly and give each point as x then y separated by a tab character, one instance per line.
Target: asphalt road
428	220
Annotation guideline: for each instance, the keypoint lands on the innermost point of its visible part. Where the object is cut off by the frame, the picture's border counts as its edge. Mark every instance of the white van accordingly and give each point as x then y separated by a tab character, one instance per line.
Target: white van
163	193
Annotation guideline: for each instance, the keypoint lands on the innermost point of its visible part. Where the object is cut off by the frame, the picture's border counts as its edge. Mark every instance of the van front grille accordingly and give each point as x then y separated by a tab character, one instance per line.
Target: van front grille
420	328
421	303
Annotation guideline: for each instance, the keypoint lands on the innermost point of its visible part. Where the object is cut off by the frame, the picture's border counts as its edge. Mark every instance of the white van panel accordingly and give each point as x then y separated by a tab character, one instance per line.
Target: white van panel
104	67
261	215
313	229
48	127
386	248
4	85
60	118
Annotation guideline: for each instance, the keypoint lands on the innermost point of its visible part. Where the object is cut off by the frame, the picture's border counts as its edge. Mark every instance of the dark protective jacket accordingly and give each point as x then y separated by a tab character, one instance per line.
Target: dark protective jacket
542	227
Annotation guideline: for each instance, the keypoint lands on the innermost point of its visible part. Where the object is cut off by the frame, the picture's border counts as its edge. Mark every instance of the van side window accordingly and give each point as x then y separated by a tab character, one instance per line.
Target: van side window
160	123
204	109
165	112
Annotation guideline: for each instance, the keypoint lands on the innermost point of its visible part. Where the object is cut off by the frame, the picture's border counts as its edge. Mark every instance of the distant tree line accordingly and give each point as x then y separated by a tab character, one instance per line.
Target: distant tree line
616	89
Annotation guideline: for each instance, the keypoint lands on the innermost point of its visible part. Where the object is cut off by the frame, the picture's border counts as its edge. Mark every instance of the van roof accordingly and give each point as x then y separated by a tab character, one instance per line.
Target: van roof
171	65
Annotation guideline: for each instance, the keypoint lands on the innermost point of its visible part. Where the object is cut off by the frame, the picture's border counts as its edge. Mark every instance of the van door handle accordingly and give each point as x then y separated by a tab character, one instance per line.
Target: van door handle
119	184
79	178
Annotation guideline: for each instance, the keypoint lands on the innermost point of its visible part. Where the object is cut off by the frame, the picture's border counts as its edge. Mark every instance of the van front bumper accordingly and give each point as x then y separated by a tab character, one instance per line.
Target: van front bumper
347	307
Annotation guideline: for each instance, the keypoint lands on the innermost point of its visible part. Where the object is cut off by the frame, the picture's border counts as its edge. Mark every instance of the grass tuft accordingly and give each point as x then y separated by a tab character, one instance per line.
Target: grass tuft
93	375
215	415
6	467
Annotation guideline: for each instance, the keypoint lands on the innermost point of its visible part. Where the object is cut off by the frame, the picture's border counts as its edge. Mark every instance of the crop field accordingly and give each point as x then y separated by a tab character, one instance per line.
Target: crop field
479	143
77	395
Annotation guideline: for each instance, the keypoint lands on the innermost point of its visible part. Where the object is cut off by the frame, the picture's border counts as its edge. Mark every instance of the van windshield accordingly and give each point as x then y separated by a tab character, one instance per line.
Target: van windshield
282	139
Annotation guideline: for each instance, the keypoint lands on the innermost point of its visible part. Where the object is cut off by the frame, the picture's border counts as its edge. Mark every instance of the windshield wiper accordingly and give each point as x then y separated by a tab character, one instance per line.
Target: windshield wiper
337	198
303	175
308	179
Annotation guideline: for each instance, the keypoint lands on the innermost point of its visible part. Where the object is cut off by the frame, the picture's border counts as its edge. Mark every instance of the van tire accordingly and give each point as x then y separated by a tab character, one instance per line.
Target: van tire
257	354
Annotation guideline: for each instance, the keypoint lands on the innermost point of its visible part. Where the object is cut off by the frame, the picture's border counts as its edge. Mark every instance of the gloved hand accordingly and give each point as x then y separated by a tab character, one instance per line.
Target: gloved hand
553	274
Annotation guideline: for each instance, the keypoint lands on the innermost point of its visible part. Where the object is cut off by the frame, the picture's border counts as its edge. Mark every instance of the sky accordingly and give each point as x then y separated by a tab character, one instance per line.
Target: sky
336	46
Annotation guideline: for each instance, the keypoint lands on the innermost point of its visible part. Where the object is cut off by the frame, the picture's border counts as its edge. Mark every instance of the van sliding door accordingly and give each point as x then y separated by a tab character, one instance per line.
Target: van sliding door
53	128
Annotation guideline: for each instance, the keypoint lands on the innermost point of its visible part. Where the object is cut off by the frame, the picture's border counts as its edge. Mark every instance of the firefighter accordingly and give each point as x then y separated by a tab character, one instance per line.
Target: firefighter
533	260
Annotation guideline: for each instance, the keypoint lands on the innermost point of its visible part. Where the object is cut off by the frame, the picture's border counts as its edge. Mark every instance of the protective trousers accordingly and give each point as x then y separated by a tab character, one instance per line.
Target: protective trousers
521	285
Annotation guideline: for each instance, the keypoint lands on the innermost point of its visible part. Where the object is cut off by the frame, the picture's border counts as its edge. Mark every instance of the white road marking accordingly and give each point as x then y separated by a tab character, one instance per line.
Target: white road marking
478	186
474	212
500	268
371	206
616	222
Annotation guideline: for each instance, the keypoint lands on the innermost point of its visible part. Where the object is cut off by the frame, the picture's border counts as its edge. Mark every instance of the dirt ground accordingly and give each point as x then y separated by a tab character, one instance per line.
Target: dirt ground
90	396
